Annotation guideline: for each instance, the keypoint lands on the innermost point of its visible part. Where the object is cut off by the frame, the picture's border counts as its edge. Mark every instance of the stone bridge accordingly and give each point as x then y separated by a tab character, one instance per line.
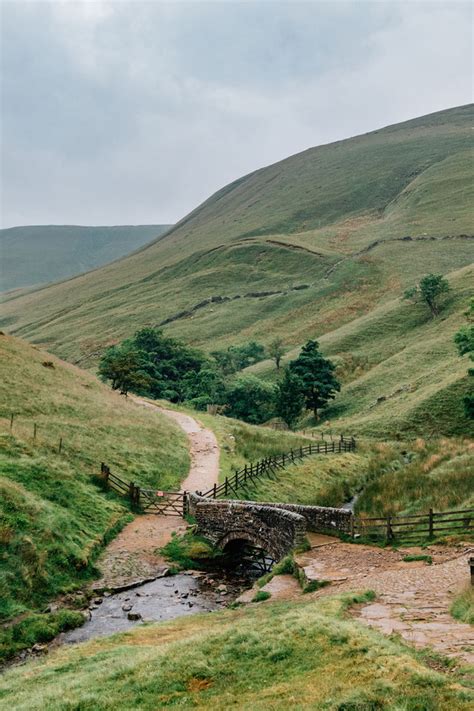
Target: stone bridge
275	528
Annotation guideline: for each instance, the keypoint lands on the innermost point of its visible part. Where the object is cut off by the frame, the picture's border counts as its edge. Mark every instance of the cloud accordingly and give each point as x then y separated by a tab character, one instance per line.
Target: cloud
134	112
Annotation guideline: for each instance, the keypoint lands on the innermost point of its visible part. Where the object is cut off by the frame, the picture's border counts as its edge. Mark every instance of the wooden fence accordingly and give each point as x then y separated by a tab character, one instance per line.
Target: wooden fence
414	527
269	465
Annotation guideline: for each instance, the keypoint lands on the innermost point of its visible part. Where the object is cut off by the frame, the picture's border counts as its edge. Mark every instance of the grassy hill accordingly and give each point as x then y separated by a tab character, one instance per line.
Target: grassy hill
309	655
38	254
54	518
321	244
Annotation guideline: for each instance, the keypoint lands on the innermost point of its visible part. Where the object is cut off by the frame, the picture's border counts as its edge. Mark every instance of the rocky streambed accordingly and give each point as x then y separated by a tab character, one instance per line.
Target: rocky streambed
164	598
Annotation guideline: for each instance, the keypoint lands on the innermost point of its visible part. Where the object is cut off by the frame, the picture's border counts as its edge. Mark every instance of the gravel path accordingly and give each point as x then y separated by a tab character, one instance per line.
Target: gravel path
133	555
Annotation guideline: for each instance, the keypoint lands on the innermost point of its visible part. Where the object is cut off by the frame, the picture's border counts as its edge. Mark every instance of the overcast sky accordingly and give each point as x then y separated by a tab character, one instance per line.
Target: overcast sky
134	112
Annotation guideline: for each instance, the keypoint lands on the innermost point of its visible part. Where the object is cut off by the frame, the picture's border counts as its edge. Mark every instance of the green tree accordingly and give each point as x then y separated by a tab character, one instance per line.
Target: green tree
251	399
430	289
205	387
276	351
239	357
464	340
317	376
290	398
123	365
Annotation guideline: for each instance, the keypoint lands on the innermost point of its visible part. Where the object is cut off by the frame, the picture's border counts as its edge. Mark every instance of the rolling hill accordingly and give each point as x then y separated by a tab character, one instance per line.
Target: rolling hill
321	244
38	254
54	518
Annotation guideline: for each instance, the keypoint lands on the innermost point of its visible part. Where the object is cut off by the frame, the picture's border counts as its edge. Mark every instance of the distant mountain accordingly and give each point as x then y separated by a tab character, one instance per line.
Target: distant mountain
39	254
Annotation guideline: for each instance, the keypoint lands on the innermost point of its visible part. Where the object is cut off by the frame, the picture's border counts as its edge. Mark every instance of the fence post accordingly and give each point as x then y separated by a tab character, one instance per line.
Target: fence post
236	484
137	496
12	417
283	458
226	485
245	474
185	503
104	470
131	491
214	492
389	529
333	446
301	452
292	456
60	445
325	447
310	447
34	431
430	523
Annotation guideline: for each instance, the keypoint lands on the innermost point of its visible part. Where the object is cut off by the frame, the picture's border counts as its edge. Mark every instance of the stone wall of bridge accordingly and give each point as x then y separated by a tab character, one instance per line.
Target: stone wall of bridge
277	528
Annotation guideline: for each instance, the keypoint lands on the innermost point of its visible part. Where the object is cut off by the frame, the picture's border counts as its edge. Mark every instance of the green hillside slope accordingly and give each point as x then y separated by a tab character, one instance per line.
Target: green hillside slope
329	232
44	253
54	519
307	655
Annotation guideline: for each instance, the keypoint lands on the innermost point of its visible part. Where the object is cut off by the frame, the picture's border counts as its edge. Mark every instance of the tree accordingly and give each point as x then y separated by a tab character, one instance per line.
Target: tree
239	357
123	365
429	290
251	399
205	387
464	340
317	376
276	351
290	398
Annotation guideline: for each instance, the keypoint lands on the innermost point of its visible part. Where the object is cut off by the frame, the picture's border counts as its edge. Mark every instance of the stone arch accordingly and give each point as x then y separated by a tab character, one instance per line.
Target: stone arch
249	537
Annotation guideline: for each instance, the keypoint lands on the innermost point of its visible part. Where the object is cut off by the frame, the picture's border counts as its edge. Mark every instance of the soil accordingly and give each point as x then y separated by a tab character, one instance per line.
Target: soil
413	598
134	554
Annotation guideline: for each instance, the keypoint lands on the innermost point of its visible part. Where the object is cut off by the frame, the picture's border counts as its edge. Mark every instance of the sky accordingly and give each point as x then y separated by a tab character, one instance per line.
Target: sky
126	112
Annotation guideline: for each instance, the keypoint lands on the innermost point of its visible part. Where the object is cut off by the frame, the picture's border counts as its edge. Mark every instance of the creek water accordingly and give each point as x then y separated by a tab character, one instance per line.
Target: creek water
162	599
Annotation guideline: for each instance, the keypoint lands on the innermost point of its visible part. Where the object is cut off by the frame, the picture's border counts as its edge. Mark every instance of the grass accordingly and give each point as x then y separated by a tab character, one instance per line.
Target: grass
36	629
54	519
412	558
436	474
463	606
37	254
332	219
261	596
308	654
189	551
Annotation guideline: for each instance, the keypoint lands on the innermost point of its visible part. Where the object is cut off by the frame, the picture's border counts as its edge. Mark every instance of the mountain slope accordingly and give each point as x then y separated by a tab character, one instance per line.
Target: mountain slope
39	254
54	518
327	230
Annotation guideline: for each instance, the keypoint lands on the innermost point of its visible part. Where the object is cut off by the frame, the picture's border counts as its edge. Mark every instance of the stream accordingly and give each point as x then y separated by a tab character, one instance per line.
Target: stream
162	599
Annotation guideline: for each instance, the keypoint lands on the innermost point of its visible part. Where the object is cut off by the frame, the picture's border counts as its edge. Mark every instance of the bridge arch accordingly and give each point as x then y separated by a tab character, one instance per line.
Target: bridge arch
248	537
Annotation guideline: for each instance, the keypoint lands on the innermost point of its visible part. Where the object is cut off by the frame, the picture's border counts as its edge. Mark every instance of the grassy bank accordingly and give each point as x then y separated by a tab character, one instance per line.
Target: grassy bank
54	518
270	655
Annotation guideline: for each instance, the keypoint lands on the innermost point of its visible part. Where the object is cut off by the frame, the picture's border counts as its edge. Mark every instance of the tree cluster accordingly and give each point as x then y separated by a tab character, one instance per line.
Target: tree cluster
157	366
464	340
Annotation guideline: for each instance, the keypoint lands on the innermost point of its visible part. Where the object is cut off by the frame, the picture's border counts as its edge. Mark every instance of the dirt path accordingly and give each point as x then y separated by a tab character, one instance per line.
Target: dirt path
413	598
133	555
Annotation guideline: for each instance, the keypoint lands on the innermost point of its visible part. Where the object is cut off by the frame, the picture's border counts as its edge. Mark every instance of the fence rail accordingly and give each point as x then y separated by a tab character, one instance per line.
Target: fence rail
416	526
390	529
269	465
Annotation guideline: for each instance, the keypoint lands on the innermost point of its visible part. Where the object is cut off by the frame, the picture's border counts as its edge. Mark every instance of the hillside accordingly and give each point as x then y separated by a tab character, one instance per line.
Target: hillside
39	254
311	655
321	245
54	518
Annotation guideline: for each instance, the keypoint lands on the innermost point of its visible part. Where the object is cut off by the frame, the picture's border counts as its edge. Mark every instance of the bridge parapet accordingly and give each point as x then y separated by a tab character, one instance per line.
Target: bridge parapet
272	528
277	528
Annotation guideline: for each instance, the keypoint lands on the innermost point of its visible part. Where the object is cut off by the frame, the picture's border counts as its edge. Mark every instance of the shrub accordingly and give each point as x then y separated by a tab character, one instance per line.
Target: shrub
261	595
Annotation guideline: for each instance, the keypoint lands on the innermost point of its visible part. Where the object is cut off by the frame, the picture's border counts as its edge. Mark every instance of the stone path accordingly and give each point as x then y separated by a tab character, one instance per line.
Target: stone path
133	555
413	599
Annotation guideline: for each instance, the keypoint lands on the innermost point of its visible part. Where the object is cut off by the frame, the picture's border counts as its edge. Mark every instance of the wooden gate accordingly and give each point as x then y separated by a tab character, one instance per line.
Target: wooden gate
167	503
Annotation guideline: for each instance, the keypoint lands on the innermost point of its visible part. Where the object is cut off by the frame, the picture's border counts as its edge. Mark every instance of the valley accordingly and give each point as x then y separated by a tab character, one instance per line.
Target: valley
255	595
